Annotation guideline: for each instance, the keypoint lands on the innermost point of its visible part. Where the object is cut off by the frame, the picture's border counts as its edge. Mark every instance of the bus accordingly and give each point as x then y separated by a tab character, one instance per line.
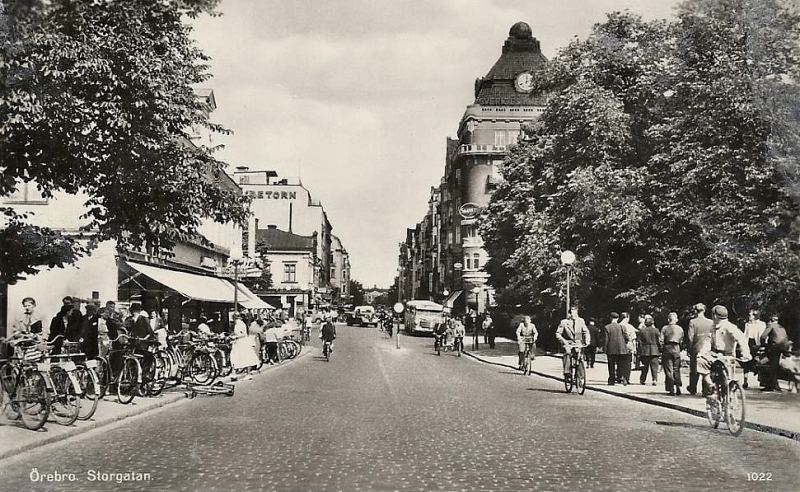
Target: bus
422	316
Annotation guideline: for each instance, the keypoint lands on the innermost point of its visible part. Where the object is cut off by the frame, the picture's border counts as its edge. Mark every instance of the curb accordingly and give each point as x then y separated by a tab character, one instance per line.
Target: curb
89	426
768	429
168	399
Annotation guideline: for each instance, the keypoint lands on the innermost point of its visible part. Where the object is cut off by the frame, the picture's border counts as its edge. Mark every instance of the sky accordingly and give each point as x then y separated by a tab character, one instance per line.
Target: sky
357	97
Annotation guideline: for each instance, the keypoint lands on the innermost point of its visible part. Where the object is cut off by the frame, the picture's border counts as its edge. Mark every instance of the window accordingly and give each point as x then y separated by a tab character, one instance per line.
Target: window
467	262
513	137
290	272
476	261
499	139
26	193
244	180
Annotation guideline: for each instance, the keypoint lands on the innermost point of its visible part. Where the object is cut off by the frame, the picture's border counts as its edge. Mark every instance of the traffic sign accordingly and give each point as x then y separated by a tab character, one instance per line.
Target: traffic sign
398	307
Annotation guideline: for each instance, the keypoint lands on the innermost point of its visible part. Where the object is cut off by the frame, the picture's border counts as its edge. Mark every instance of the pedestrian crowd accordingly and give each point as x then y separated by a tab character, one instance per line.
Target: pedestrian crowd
650	350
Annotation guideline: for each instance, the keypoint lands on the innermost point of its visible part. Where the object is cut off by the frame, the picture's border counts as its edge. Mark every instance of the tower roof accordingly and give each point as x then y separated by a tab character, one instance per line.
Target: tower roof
521	53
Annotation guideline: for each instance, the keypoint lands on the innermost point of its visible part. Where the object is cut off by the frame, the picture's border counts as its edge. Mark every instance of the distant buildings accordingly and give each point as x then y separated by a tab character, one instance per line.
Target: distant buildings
289	214
442	257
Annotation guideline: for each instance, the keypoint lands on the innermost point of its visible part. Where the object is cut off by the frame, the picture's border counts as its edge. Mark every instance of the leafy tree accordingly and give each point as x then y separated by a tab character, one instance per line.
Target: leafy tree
98	100
666	159
357	292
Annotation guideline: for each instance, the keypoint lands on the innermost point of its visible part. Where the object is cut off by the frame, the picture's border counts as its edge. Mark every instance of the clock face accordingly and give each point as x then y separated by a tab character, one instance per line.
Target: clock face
524	82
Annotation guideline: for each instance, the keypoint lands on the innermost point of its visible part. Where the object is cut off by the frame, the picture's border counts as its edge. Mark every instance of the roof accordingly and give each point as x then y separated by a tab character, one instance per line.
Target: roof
278	240
521	53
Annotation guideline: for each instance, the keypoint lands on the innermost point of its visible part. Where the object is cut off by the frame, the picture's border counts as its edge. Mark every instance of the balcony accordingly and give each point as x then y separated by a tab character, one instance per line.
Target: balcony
474	149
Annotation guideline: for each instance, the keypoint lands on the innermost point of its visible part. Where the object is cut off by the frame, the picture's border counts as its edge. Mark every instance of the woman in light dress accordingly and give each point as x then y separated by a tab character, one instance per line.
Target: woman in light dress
243	352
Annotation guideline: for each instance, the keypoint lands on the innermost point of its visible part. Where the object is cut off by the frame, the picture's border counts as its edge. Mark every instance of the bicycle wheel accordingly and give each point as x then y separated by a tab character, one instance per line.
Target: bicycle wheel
8	383
127	384
31	399
90	391
569	383
65	404
223	360
580	377
202	369
713	410
734	409
159	375
147	366
529	363
103	372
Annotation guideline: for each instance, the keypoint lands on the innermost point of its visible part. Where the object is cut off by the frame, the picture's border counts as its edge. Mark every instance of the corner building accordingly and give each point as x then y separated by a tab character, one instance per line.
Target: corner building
504	101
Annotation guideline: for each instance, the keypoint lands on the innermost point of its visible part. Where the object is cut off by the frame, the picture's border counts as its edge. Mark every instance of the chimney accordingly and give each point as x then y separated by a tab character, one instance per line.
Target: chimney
242	169
272	226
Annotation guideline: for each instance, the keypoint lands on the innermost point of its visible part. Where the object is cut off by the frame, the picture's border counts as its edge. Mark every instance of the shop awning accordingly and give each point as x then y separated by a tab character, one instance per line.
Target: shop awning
249	300
193	286
452	299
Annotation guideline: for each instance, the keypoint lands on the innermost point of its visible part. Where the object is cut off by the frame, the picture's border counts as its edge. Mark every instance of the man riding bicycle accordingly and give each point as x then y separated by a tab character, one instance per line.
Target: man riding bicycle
440	332
526	338
572	331
328	335
459	332
725	337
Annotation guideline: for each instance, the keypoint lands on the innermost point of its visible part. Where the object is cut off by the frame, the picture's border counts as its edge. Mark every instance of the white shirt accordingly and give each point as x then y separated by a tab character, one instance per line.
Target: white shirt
754	329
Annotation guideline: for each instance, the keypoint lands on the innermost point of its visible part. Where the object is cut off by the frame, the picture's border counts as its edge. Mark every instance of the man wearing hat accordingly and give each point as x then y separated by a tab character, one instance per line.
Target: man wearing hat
724	339
700	330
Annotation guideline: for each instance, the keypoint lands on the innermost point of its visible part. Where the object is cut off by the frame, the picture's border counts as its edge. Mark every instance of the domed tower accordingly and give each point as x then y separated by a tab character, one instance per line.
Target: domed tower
504	100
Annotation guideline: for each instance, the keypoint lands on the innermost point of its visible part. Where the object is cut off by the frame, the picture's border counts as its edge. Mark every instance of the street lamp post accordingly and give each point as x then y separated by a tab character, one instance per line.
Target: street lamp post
235	260
457	269
475	290
567	259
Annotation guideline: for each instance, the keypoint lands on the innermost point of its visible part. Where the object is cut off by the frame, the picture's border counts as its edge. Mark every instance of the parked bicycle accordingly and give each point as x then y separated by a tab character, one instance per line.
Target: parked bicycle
24	388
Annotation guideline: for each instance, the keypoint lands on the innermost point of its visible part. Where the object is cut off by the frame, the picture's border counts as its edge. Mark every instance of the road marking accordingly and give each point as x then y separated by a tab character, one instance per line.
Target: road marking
385	375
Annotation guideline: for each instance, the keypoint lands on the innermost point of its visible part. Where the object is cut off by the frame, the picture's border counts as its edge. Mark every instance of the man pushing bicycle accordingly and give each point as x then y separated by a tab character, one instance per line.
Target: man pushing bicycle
572	331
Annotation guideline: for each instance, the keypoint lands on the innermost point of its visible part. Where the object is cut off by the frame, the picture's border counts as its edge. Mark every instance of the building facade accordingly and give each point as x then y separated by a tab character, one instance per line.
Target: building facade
444	254
283	203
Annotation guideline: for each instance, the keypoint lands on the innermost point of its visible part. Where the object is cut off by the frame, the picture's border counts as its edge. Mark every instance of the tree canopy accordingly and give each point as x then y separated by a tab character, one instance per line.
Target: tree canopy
666	159
97	99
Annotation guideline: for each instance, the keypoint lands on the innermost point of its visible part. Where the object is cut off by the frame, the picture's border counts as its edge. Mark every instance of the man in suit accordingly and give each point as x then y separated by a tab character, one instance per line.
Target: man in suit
649	350
699	339
572	330
776	340
616	347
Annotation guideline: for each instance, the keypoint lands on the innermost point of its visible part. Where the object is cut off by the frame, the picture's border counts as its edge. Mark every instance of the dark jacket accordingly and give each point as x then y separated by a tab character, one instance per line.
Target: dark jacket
141	329
649	341
616	340
71	329
775	336
596	336
328	332
89	346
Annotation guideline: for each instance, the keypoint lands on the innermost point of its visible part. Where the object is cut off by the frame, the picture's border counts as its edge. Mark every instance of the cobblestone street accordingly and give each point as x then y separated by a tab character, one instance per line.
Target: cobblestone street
378	418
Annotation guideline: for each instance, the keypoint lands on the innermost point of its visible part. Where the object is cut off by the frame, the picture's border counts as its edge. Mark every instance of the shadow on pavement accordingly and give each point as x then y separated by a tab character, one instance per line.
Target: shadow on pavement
543	390
686	425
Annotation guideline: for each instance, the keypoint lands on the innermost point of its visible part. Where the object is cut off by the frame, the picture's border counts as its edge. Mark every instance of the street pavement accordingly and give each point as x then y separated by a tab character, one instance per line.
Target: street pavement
777	412
380	418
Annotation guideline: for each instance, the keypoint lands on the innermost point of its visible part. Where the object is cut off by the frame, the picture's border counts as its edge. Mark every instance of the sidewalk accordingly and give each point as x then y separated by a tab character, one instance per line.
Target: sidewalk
16	439
776	413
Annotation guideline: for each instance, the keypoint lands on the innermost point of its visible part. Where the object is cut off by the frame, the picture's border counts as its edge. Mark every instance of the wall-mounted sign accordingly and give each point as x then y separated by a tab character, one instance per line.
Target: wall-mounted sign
272	195
469	210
